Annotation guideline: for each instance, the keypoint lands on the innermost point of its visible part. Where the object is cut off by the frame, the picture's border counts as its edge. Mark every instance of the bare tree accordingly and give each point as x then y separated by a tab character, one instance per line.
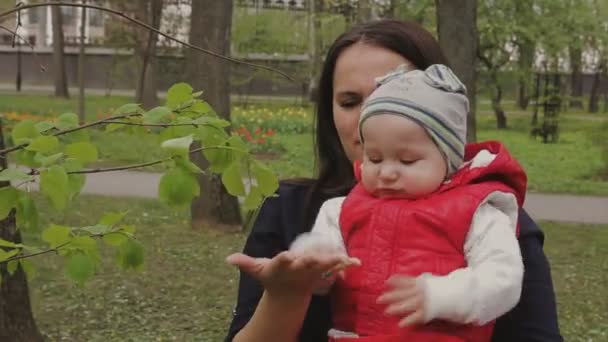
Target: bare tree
147	85
81	58
59	71
210	27
457	29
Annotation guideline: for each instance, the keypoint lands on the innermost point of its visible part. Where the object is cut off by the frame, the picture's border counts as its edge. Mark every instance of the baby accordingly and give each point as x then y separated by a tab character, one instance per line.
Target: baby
429	208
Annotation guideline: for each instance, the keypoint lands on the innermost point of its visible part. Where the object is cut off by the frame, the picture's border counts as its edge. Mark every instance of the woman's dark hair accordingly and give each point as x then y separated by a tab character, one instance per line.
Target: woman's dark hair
335	175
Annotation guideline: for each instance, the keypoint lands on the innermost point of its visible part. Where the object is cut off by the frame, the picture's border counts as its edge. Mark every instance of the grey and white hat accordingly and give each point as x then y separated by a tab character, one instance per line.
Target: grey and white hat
434	98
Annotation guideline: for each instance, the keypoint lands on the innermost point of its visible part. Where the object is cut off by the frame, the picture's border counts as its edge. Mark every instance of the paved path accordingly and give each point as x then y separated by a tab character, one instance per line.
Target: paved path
563	208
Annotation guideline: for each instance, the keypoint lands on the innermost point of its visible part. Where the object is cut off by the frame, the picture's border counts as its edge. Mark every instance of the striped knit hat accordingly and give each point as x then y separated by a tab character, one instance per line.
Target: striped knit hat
434	98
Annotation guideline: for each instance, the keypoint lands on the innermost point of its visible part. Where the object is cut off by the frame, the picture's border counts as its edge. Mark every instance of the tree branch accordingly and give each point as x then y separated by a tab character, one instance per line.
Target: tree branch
91	124
15	34
148	27
138	166
152	125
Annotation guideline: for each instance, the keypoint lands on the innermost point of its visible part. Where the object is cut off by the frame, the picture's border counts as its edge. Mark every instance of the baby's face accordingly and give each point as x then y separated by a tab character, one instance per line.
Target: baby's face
400	160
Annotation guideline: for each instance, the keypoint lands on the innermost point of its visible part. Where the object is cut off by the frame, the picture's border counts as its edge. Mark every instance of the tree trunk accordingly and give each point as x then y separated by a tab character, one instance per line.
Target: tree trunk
147	85
457	30
576	82
210	27
19	68
364	11
595	91
526	59
16	320
59	72
501	118
83	22
316	47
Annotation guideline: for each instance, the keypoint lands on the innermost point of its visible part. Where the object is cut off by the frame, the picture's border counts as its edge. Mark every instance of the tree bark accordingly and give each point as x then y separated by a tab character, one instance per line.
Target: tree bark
315	47
526	59
457	30
81	108
59	72
147	85
16	320
595	91
19	68
210	27
576	81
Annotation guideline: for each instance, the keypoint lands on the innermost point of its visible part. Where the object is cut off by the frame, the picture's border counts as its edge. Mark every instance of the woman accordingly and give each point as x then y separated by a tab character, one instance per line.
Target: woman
275	301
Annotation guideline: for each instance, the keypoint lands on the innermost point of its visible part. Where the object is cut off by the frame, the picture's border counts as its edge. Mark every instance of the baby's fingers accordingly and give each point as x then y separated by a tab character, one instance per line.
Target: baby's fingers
414	318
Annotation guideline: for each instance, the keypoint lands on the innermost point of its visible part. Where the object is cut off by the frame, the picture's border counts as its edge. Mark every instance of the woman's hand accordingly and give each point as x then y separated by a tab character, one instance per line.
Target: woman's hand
289	274
405	298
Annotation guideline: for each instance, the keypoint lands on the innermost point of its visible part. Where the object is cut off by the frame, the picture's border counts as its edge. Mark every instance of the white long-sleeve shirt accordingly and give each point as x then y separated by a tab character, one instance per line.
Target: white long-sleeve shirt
486	289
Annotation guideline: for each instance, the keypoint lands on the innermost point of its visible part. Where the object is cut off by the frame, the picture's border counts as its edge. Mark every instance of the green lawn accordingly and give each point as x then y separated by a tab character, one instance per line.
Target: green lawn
186	292
570	166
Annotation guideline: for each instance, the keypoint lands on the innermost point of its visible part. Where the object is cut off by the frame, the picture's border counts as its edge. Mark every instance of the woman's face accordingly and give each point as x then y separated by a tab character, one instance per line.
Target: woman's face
354	79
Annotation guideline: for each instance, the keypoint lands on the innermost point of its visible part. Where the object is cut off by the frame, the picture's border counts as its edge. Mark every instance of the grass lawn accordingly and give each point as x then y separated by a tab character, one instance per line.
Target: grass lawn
570	166
186	292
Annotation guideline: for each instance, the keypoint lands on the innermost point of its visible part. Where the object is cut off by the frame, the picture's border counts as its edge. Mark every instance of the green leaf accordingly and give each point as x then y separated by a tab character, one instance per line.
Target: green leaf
11	266
253	198
157	115
185	164
267	181
232	179
71	165
213	121
197	94
7	254
201	108
130	255
67	121
128	229
80	267
84	152
129	108
115	239
178	94
56	235
75	185
178	146
14	175
26	158
212	137
5	243
27	214
24	132
111	219
28	268
86	245
9	197
113	127
239	146
44	126
97	229
178	188
44	144
76	136
47	160
54	183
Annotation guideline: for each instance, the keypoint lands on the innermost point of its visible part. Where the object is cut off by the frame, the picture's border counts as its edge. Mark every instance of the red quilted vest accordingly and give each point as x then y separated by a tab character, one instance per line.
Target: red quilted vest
399	236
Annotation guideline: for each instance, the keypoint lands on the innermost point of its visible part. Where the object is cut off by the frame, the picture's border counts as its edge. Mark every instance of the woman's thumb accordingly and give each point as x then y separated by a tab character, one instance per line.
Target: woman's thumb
246	263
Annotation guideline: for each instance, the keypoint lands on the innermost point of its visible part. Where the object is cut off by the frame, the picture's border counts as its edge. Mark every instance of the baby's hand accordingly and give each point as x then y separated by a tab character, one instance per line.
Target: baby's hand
406	299
315	244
